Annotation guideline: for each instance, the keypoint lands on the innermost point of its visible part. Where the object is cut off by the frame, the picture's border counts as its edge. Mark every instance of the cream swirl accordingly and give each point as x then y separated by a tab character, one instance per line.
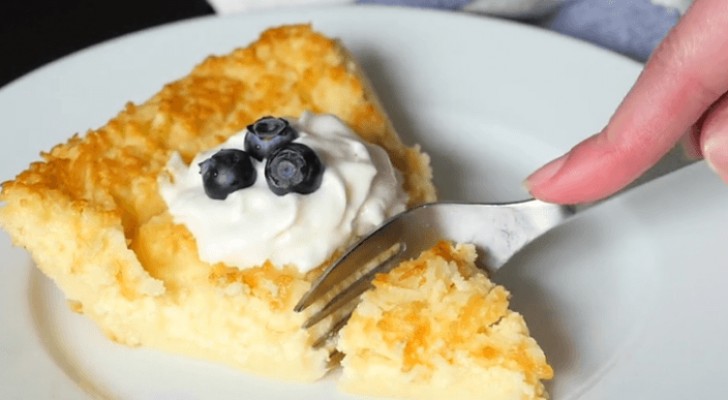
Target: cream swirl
360	189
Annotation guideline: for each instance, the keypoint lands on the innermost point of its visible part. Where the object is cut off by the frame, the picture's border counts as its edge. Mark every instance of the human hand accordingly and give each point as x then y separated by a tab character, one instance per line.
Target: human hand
682	93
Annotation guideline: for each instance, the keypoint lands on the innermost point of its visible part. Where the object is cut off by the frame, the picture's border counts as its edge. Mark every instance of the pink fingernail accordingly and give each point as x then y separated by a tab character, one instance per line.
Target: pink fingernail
690	144
715	151
543	174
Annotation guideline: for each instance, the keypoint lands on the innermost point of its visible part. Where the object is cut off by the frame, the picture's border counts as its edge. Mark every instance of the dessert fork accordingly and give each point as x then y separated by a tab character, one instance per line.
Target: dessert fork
497	230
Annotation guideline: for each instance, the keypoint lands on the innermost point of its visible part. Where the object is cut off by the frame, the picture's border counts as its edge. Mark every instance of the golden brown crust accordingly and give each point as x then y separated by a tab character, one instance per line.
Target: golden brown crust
436	327
92	218
287	71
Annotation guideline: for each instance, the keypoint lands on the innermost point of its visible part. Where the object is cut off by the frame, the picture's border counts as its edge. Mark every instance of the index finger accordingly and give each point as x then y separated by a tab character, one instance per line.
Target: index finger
687	73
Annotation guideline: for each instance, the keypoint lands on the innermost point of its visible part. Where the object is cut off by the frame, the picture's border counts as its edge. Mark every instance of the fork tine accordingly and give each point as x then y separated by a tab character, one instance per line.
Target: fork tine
382	263
332	330
335	277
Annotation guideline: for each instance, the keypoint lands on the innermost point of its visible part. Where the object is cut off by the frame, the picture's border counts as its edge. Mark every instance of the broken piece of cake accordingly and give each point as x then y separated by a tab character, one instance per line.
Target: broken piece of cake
436	327
194	222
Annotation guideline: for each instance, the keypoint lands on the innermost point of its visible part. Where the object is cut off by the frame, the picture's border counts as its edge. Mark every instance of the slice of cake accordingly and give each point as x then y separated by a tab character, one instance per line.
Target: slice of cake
437	328
136	223
92	217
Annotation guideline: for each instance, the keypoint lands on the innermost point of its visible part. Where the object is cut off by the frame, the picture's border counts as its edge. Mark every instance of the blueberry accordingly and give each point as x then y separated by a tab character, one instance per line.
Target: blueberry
226	171
293	167
267	134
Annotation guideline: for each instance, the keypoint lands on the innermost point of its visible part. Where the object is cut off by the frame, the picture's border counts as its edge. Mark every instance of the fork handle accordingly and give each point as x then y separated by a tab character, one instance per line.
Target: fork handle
674	160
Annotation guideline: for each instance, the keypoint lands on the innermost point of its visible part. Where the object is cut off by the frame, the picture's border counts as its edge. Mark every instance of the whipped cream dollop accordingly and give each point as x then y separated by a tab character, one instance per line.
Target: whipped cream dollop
359	190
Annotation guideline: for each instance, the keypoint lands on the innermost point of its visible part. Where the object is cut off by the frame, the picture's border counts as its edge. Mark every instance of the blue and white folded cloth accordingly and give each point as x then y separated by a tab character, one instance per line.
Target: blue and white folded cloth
630	27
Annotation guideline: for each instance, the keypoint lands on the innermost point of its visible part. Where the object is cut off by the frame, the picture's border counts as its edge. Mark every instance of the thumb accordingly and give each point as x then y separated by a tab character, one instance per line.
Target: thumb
682	79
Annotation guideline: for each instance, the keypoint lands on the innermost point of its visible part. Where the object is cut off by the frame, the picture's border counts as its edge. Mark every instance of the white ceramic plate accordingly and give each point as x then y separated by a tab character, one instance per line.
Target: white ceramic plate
627	301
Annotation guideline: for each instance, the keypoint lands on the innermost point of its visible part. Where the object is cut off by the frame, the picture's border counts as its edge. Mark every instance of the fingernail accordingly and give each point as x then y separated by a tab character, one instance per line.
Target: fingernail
690	144
545	173
715	151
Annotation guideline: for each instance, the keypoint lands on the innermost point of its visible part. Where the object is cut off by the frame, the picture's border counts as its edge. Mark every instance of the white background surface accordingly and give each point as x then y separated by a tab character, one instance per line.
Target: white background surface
627	301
